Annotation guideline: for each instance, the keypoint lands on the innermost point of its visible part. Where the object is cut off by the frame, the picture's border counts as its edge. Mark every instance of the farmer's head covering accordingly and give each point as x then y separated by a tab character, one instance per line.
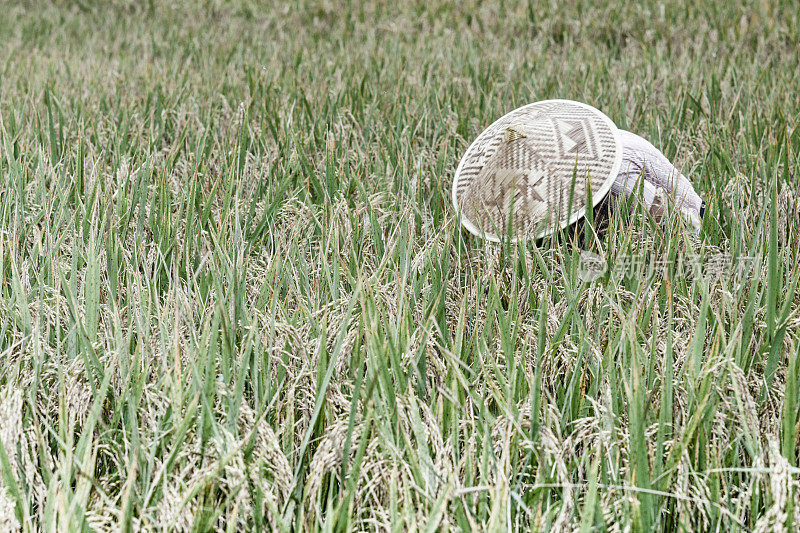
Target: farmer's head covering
524	169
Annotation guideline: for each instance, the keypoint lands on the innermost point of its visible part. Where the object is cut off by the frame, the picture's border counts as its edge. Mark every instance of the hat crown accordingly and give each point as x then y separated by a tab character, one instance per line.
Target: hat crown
532	167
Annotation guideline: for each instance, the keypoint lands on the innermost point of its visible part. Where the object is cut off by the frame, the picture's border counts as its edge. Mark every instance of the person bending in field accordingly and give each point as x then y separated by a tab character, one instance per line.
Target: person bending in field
500	181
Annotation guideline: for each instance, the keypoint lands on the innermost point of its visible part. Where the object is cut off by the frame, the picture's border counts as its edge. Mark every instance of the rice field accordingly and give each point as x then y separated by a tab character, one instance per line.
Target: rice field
235	295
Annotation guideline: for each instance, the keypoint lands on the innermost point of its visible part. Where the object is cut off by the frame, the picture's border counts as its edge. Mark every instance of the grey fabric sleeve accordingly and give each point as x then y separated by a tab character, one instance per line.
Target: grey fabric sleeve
640	159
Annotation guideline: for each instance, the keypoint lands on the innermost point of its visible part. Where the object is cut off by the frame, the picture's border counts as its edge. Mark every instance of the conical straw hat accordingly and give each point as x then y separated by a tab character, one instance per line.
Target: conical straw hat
530	163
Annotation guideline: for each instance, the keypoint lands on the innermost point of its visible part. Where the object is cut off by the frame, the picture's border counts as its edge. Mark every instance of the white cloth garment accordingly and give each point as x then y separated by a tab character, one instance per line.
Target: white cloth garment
663	184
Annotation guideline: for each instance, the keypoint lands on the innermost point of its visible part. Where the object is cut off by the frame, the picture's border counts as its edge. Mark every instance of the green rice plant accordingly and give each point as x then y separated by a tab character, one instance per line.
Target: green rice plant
235	295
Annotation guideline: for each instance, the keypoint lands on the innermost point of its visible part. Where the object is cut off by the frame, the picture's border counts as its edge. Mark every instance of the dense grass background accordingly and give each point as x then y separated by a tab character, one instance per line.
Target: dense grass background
234	293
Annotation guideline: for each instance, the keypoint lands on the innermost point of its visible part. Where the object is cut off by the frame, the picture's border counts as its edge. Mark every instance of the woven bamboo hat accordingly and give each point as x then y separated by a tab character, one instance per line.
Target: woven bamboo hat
530	170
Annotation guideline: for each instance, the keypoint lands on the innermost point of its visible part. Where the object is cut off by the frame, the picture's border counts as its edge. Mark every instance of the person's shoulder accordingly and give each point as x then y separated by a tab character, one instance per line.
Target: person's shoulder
631	141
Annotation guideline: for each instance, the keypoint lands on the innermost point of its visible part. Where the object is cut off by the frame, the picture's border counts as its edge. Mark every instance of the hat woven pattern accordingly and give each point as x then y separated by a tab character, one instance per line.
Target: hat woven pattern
525	168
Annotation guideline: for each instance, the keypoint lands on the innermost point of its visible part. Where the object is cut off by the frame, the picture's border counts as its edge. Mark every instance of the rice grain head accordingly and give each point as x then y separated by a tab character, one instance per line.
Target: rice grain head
780	486
8	521
10	432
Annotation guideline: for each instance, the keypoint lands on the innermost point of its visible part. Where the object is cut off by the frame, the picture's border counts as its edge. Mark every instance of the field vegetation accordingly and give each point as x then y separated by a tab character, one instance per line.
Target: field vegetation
235	295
